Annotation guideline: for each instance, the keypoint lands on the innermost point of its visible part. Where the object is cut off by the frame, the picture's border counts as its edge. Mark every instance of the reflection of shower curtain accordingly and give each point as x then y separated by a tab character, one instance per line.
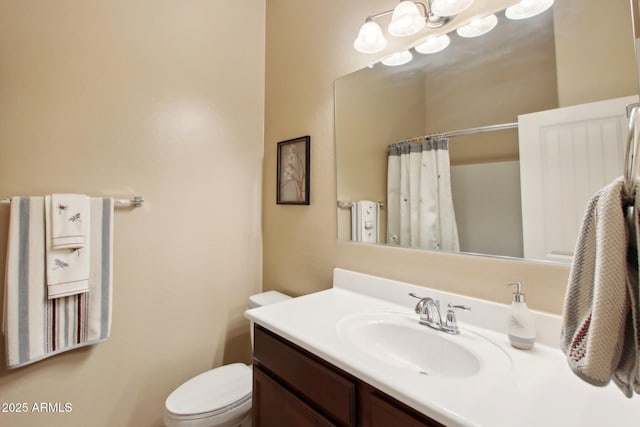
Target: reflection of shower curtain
420	207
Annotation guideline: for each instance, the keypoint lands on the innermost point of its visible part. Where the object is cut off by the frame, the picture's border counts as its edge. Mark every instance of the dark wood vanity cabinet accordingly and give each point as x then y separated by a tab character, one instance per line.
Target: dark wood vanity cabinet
275	406
292	387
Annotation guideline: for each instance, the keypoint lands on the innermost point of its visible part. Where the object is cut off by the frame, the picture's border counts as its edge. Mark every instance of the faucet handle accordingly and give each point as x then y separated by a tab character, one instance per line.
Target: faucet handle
420	305
458	307
411	294
451	324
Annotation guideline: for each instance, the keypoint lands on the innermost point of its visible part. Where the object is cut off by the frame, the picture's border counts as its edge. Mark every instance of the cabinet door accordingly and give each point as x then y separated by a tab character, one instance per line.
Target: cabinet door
274	406
384	413
311	379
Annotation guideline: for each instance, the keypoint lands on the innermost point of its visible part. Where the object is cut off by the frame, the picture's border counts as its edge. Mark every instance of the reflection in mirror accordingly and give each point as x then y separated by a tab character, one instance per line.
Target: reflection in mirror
548	62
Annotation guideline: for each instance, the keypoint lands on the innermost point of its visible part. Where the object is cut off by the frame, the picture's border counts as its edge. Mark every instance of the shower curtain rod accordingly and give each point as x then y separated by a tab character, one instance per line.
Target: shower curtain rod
461	132
136	202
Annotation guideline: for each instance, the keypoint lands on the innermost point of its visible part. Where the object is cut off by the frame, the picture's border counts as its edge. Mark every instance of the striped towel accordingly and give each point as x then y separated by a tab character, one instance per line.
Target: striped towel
35	327
599	325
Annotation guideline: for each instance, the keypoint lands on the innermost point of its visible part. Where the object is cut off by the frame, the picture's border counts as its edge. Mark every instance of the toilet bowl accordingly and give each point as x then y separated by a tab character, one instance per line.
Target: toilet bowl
220	397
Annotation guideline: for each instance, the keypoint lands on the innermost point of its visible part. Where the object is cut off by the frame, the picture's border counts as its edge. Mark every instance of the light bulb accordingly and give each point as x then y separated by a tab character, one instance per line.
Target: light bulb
398	58
527	9
433	44
449	7
406	20
478	27
370	38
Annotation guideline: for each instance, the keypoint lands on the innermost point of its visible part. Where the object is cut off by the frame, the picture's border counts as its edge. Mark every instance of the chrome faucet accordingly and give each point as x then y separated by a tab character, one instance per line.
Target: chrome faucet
429	311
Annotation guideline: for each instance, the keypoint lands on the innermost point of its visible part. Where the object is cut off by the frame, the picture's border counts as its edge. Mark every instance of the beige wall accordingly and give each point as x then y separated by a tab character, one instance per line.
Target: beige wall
371	112
163	99
374	110
511	72
598	54
309	45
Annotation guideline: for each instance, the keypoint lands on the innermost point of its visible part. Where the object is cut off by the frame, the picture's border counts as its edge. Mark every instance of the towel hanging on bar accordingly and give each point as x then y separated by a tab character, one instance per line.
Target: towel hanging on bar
36	327
600	333
67	263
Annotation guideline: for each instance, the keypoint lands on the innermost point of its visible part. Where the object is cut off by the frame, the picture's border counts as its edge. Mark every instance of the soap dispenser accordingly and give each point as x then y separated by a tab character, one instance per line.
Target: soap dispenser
522	329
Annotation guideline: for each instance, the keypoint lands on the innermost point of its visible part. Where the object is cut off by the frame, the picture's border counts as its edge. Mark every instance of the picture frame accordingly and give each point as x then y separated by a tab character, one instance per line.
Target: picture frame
294	157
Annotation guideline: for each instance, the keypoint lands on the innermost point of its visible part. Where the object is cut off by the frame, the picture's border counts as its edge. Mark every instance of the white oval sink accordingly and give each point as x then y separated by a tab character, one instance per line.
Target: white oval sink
397	339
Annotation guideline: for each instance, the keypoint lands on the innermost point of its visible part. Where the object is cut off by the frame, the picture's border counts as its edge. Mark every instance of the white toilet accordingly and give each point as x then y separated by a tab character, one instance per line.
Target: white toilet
220	397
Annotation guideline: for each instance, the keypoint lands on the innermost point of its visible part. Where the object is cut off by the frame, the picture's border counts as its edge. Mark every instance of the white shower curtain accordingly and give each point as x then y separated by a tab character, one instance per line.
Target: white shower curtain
420	206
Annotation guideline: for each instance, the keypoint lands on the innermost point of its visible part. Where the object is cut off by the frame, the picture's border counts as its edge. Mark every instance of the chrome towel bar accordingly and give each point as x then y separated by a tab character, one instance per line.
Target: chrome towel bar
135	202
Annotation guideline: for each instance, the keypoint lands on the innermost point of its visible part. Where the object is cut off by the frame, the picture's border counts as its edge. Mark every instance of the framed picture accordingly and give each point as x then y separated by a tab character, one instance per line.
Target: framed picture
293	171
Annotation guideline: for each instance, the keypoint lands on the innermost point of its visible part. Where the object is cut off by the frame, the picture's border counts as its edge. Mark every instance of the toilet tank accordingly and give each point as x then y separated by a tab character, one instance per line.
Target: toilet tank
265	298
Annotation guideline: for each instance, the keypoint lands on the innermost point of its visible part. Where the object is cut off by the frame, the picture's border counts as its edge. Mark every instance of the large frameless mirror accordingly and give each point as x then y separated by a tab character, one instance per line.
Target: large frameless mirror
574	54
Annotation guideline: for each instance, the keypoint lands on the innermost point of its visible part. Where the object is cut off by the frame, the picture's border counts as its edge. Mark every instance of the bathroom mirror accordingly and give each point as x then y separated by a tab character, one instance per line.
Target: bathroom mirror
577	52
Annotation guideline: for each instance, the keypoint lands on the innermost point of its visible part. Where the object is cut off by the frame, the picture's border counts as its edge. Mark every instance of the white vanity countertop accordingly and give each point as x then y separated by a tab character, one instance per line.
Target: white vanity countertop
538	389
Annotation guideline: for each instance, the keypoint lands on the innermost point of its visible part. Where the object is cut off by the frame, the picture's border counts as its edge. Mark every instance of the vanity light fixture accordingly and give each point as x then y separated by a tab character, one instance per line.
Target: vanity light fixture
478	27
398	58
433	44
449	7
527	9
370	38
407	19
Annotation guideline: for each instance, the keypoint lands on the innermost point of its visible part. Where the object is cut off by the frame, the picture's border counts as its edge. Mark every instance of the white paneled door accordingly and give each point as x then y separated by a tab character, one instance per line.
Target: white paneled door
566	155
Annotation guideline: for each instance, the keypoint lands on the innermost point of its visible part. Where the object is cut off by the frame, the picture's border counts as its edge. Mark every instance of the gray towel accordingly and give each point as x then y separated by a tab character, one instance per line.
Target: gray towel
599	325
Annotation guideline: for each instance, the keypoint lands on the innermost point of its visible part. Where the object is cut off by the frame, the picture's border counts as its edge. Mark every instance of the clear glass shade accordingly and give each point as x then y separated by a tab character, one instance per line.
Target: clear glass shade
449	7
370	38
398	58
528	8
478	27
406	20
433	44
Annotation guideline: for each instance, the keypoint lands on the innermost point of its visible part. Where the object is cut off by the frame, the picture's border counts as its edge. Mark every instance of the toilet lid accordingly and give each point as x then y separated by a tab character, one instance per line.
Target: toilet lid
216	390
266	298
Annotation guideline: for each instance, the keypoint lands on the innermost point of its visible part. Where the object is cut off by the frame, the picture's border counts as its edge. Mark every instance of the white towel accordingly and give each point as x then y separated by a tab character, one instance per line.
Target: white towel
34	327
69	220
598	330
67	269
365	221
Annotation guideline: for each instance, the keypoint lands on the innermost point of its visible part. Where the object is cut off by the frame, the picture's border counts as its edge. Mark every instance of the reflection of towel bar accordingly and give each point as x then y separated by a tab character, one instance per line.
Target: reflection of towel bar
136	202
346	205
